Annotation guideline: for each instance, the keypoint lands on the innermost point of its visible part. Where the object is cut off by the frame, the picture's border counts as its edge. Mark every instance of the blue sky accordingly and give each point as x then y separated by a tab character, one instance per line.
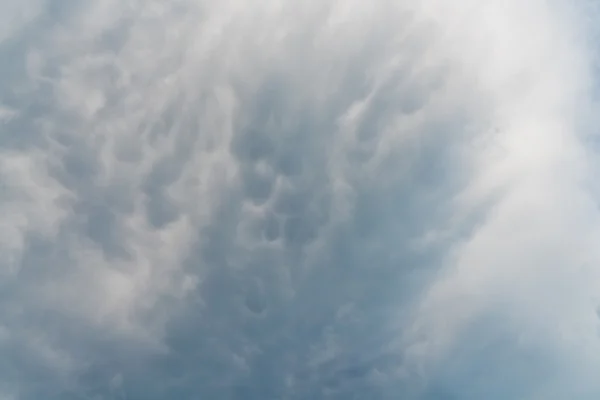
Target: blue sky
299	200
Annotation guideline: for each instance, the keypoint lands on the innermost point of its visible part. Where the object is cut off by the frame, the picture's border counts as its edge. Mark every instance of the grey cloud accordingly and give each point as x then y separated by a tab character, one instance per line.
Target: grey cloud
267	202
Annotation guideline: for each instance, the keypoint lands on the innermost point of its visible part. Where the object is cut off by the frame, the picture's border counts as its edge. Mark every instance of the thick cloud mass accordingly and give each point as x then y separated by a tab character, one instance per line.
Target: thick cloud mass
317	199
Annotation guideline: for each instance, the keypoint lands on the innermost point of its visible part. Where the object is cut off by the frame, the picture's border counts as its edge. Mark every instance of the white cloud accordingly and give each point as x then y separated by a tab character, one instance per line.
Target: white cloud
534	255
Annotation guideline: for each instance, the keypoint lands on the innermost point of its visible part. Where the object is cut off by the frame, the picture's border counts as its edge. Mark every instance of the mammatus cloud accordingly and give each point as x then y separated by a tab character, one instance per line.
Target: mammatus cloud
294	200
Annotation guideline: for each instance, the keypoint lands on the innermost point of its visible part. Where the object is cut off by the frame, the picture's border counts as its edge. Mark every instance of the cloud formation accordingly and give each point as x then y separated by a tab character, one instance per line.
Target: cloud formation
294	200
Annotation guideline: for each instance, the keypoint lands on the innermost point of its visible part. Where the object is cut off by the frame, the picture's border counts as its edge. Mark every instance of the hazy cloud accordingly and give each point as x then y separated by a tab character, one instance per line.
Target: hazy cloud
294	200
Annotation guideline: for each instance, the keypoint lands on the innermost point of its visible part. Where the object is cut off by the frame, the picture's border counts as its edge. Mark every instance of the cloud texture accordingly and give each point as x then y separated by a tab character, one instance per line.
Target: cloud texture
299	199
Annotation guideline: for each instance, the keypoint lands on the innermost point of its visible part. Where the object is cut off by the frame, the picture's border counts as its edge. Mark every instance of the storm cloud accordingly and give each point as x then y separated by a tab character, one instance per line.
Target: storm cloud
299	199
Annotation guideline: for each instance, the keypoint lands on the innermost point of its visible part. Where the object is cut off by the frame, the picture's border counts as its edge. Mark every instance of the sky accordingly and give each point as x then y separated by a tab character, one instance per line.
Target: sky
290	200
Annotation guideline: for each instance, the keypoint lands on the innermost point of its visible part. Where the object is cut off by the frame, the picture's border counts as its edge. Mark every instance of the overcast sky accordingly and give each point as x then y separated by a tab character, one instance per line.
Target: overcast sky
299	199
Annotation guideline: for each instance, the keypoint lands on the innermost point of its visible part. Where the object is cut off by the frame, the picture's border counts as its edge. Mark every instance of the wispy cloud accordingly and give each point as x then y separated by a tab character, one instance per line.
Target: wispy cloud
290	200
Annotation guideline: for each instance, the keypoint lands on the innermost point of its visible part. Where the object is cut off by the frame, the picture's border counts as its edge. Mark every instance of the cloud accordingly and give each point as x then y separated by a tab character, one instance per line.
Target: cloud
293	200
